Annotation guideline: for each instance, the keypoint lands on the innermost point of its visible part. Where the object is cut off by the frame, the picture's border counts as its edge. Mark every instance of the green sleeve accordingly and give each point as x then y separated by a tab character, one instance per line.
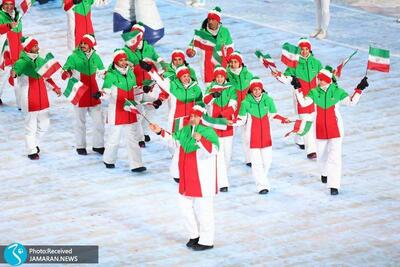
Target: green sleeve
199	98
312	94
271	105
343	94
228	38
243	108
290	72
19	67
154	55
108	81
70	63
99	63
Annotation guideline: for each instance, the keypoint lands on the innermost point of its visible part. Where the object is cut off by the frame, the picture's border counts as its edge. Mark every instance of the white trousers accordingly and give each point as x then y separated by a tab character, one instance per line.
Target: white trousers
4	75
174	167
223	160
245	144
111	149
198	214
36	124
308	140
330	160
80	126
261	159
323	17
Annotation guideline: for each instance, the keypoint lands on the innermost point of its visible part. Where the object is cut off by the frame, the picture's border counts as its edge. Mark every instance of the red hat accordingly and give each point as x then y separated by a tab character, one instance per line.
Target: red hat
304	42
9	1
178	53
215	14
197	111
237	56
219	71
89	40
256	82
118	54
28	43
182	70
325	75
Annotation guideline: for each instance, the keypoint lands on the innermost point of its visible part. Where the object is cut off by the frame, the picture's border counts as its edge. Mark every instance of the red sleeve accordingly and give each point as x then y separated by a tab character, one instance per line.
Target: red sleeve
207	99
227	113
206	144
4	28
68	4
163	95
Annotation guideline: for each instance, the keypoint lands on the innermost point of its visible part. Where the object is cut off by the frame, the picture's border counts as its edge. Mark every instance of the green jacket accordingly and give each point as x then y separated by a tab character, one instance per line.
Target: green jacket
188	143
78	61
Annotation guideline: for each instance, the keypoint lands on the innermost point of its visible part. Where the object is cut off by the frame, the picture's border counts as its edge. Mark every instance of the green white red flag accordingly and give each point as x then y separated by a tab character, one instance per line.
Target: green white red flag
378	59
26	5
300	127
204	40
75	90
290	55
339	68
49	66
266	60
216	123
131	106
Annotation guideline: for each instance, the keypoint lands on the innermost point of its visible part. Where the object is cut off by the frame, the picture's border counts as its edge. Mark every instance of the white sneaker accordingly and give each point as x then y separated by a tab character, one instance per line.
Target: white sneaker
315	33
189	2
321	35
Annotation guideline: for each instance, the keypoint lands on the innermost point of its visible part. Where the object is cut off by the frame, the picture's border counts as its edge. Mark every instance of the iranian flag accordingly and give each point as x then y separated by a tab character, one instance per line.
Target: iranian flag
301	127
49	66
378	59
26	5
204	40
216	123
179	123
339	68
219	88
75	90
5	57
290	55
266	60
131	39
131	106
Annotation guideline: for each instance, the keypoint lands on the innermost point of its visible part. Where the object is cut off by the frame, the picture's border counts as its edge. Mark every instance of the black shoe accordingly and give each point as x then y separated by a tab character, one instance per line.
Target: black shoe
99	150
38	150
140	169
19	109
1	102
200	247
142	144
302	147
334	192
34	156
109	165
248	164
147	138
81	151
263	192
176	180
223	189
312	155
192	241
324	179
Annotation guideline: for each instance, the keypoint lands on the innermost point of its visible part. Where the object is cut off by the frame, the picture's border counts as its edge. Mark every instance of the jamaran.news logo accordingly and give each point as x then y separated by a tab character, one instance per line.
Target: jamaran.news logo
15	254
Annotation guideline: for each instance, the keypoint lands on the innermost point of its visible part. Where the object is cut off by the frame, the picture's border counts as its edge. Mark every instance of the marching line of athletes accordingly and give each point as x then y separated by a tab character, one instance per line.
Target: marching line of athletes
233	99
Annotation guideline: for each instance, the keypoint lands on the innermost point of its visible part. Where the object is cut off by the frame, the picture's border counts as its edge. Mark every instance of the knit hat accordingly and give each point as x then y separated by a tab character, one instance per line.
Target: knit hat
219	70
256	82
118	54
28	43
325	74
89	40
237	56
215	14
8	1
197	110
304	42
178	53
182	70
138	27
